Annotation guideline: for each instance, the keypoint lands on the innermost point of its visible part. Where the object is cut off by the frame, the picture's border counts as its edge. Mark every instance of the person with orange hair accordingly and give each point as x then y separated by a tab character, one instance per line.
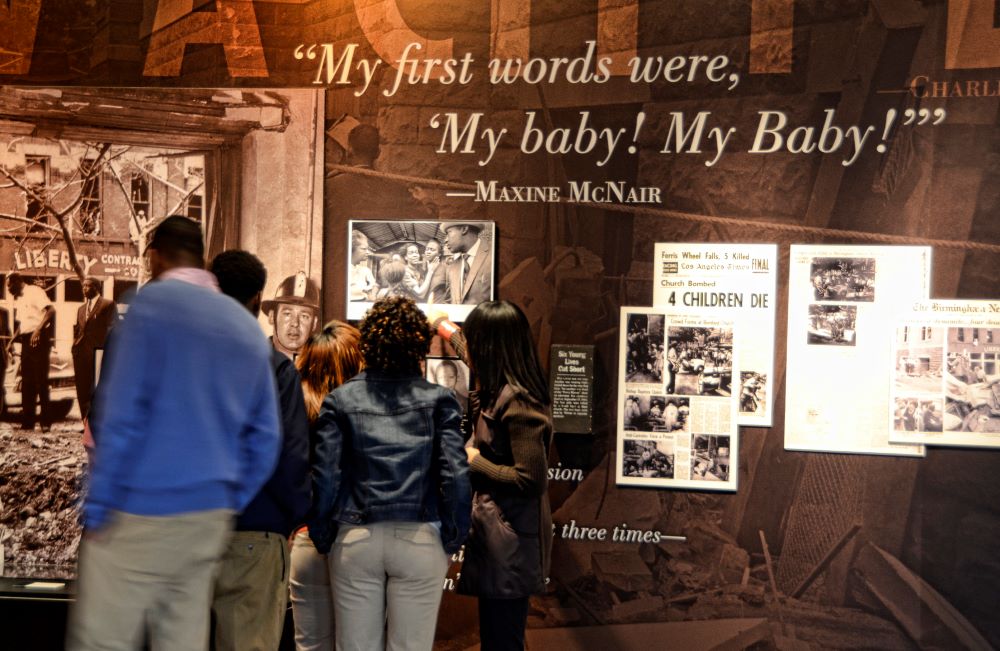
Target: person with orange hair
327	360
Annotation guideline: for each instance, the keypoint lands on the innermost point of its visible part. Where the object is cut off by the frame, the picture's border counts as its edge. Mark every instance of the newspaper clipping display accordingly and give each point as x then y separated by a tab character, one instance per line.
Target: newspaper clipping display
945	376
676	417
730	281
842	305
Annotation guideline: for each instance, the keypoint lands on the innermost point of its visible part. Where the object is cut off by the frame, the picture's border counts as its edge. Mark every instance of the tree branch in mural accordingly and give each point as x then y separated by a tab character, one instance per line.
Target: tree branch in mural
75	216
41	203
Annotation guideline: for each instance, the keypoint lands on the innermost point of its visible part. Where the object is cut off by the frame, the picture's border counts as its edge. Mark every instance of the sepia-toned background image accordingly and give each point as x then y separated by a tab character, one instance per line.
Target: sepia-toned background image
85	175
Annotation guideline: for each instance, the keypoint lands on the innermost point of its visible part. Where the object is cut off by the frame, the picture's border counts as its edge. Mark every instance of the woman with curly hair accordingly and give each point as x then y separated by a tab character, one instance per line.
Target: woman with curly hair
508	550
391	494
327	360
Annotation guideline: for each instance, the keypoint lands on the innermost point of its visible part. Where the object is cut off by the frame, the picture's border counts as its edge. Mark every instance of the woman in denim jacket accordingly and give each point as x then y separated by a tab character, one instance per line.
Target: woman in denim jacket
391	493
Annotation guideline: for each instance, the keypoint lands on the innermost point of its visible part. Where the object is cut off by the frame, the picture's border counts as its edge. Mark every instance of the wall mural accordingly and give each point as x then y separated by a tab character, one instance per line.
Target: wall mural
584	134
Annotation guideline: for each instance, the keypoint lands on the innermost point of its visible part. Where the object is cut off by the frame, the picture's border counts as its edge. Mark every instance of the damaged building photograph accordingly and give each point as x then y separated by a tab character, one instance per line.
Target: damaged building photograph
617	125
85	175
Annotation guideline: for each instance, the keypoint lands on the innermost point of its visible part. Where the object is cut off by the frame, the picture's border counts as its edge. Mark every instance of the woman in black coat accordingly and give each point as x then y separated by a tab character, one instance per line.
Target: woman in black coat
508	550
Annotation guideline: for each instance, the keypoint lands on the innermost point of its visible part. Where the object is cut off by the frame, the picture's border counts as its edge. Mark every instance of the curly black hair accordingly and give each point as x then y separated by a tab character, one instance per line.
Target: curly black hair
395	336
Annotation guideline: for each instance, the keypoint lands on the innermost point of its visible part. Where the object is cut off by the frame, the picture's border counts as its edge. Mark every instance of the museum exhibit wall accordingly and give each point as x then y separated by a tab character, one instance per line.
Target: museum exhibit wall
787	122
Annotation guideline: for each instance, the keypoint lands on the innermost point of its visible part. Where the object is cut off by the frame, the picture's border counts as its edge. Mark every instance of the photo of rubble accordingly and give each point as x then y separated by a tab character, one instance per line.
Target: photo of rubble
972	380
76	206
710	458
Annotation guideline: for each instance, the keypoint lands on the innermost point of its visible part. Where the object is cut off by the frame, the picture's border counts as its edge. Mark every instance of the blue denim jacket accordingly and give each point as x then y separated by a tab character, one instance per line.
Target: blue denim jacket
390	447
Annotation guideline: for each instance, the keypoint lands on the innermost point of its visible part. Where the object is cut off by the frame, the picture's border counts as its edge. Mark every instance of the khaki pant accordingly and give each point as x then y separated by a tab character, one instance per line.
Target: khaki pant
147	575
251	592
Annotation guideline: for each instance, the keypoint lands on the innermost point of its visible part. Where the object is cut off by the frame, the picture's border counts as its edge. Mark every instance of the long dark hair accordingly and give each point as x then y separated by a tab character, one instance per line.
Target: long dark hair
502	352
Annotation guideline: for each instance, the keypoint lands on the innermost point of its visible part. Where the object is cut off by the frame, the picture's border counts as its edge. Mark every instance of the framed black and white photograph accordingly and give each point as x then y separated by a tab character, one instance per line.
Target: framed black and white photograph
843	279
832	325
704	360
710	458
648	458
644	349
451	373
644	413
449	265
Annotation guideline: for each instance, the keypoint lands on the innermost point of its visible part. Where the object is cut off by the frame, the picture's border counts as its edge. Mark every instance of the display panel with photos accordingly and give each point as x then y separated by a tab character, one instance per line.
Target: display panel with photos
946	375
730	281
677	420
841	304
449	265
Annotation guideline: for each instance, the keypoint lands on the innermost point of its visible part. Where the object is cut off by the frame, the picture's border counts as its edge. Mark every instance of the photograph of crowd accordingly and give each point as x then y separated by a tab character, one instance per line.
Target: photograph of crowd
832	325
644	349
701	361
917	415
449	263
843	279
656	414
710	458
753	392
649	459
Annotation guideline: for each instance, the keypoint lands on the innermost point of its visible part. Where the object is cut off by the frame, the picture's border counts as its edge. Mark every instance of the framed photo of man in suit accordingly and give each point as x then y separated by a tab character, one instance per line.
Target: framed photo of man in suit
450	265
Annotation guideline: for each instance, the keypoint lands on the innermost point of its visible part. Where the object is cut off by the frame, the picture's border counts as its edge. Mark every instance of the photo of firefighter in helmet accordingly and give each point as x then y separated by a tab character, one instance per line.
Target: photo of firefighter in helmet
293	313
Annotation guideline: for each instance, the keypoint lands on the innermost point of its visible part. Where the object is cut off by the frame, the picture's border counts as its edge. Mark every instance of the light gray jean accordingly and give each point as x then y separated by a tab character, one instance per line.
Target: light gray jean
312	597
387	583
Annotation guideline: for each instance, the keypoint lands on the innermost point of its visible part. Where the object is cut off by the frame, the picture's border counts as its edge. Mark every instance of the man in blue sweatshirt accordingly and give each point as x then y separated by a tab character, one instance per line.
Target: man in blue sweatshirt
185	420
251	590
